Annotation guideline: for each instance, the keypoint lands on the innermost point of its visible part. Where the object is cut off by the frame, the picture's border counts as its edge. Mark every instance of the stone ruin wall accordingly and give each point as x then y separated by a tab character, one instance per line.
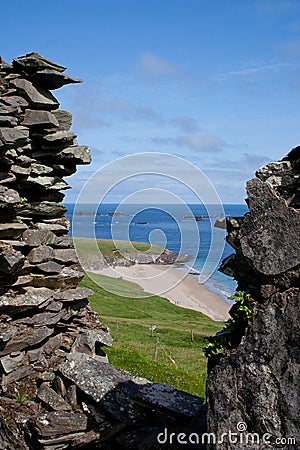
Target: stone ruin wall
258	382
57	389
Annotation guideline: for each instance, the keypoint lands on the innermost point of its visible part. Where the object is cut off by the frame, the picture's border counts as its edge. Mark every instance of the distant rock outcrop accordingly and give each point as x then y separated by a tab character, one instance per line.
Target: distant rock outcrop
256	387
57	389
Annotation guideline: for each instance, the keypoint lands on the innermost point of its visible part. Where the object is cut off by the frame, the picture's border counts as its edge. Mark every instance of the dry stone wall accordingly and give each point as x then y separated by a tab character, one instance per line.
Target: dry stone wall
57	388
258	382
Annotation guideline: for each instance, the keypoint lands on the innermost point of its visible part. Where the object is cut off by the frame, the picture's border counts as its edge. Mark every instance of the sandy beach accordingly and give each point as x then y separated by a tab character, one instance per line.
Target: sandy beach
179	288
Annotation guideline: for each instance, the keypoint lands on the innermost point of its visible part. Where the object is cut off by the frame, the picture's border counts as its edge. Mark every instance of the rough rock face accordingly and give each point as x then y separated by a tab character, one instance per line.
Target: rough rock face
57	389
258	383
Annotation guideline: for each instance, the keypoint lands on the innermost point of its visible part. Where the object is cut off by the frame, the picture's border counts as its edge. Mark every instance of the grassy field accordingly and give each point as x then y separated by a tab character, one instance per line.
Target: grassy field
180	361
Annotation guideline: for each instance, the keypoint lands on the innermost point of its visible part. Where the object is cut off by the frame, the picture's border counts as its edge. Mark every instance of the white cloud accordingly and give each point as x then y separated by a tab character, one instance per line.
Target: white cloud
153	65
195	142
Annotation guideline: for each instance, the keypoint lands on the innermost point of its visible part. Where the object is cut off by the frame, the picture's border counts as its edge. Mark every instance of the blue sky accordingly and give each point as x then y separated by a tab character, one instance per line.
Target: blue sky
215	82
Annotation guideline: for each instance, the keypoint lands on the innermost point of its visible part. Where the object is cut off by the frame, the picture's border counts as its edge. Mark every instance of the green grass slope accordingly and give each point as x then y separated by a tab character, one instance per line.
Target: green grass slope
180	360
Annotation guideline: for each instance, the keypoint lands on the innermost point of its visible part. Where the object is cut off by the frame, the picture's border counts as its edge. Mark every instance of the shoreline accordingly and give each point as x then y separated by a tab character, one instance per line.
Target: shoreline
180	288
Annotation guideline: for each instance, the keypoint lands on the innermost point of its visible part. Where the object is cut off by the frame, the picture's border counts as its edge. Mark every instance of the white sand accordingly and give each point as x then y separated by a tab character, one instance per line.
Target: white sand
178	287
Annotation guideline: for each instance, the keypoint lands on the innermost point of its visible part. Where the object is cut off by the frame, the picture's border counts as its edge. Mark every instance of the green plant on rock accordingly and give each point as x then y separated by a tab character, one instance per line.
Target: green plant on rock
18	221
20	399
23	200
233	331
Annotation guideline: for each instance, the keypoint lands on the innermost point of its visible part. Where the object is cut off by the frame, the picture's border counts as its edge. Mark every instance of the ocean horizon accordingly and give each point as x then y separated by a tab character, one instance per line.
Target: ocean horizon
173	226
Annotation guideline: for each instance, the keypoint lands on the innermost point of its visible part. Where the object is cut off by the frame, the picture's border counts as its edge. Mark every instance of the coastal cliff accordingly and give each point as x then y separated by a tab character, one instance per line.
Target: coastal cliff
255	388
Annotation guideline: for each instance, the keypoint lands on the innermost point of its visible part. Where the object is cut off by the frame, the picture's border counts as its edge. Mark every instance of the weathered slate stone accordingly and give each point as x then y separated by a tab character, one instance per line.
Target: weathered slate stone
44	209
66	256
34	238
50	267
66	277
94	378
17	375
52	79
8	121
71	395
55	228
12	230
7	177
170	400
40	169
60	423
39	118
33	298
10	259
8	196
46	318
38	97
50	183
32	62
25	338
52	399
64	242
8	110
64	119
19	170
41	254
78	153
13	137
15	101
72	295
58	139
11	362
270	237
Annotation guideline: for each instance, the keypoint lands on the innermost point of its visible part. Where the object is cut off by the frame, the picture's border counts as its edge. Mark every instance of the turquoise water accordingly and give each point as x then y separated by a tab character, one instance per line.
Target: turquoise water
173	226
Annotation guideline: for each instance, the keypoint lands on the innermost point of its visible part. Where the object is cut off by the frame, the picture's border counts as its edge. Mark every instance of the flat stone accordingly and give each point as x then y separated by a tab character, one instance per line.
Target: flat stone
10	363
34	238
19	170
8	196
25	338
40	169
78	153
13	137
41	254
15	101
58	139
60	423
10	259
64	119
50	267
72	295
66	277
52	79
46	318
12	230
8	121
37	96
56	228
44	209
17	375
64	242
32	62
7	177
94	378
8	110
24	160
50	183
39	118
22	281
106	385
66	256
170	401
47	395
32	298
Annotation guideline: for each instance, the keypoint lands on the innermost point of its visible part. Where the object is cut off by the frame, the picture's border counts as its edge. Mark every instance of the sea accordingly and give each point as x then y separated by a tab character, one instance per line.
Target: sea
184	229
